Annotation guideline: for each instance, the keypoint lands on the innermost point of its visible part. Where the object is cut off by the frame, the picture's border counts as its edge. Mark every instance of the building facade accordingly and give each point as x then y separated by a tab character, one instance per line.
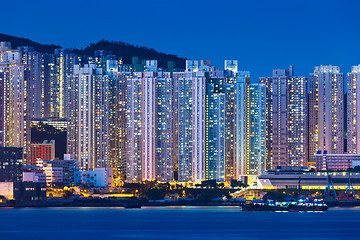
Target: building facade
88	122
335	162
189	120
297	120
11	164
215	128
286	119
236	112
44	151
165	128
256	163
15	102
353	108
326	111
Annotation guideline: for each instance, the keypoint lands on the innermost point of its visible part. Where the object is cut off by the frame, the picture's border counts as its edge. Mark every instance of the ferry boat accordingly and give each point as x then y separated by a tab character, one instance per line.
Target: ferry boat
308	204
302	205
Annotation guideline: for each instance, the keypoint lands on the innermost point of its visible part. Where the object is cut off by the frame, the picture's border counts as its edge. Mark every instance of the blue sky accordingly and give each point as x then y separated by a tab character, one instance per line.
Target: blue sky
261	34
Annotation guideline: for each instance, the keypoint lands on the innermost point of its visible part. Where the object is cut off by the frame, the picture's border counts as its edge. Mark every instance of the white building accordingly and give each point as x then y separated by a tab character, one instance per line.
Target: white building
198	126
133	128
148	119
34	176
100	177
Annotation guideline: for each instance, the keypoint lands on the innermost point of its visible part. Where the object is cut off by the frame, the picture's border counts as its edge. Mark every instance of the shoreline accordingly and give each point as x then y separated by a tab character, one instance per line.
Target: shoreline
124	205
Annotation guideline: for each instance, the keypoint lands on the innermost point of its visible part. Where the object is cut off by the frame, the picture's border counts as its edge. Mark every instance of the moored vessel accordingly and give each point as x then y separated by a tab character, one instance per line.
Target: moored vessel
302	205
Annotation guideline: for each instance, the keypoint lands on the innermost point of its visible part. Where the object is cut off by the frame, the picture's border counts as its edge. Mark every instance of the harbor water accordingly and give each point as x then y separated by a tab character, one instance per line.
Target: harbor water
176	223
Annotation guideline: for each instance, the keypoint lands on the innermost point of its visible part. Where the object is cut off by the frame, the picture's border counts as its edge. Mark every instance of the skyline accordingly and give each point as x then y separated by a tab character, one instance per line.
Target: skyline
258	37
180	119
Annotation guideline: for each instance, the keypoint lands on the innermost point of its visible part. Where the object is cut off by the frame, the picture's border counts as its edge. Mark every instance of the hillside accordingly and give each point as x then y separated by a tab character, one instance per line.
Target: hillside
17	42
127	51
120	49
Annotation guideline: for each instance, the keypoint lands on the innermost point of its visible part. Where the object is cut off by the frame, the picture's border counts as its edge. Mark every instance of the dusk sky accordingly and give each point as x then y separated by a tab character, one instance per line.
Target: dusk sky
261	34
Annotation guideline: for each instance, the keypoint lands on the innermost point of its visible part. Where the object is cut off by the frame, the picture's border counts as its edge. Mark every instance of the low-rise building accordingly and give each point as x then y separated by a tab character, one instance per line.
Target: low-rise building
11	164
59	172
301	177
335	162
34	177
23	191
100	177
44	151
33	174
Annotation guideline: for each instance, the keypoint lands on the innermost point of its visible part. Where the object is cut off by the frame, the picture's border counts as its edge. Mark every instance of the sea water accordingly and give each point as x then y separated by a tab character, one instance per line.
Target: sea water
176	223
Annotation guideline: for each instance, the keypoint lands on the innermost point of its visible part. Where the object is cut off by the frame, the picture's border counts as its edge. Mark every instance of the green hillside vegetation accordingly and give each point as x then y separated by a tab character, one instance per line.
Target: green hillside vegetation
120	49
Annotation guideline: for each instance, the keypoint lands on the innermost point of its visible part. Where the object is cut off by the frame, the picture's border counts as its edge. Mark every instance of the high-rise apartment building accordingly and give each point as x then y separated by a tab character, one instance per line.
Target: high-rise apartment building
165	128
236	112
326	111
286	119
279	117
15	102
89	106
134	127
217	136
48	85
297	121
183	124
5	86
267	81
198	125
215	127
256	163
64	66
245	125
148	119
117	128
353	108
190	117
190	113
150	125
33	60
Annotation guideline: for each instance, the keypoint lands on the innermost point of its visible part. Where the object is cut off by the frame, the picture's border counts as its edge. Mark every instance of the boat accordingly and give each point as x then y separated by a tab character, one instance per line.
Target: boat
308	204
132	204
261	206
346	201
302	205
